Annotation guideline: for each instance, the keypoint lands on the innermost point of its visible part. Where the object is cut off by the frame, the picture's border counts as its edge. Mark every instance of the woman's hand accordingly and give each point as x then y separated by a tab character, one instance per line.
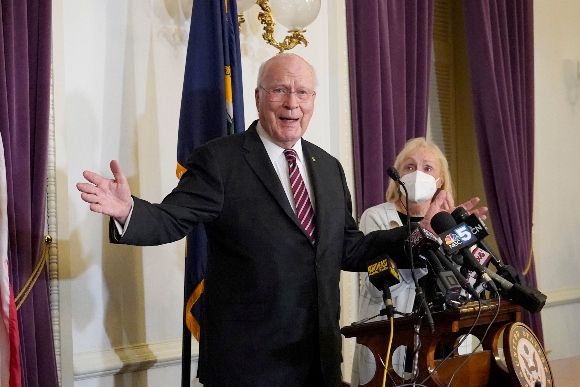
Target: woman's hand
444	202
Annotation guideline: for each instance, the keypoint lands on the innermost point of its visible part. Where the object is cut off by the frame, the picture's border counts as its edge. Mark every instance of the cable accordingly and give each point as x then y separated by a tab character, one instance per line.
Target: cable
416	349
456	346
386	364
480	341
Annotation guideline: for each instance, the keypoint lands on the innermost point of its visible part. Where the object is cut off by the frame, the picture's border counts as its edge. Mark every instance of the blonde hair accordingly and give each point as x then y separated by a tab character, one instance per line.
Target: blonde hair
393	193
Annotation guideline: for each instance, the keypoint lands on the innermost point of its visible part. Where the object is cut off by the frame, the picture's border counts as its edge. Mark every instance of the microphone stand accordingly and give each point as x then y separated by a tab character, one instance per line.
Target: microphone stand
409	250
418	290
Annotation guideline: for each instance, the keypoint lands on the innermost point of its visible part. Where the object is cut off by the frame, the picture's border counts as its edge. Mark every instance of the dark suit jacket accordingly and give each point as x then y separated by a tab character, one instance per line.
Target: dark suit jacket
272	298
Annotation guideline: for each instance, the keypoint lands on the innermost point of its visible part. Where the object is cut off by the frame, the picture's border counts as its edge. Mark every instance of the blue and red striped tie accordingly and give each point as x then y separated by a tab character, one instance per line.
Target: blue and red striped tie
304	210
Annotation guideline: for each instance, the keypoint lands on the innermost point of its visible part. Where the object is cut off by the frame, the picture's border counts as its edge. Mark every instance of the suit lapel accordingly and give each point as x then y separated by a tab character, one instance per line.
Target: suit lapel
258	159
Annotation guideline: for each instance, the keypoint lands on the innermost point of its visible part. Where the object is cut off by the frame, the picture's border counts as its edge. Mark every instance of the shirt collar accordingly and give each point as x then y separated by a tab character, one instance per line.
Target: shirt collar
274	150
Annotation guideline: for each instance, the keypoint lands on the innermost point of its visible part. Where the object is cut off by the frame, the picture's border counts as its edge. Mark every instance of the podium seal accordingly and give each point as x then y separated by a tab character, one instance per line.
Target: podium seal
525	357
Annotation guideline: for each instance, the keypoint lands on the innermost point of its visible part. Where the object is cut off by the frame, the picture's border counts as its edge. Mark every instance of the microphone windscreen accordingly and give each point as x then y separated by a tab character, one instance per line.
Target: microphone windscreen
531	299
459	214
381	270
442	221
393	173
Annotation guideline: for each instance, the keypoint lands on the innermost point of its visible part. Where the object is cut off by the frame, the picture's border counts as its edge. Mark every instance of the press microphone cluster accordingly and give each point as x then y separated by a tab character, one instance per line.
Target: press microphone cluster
458	238
478	229
483	252
427	244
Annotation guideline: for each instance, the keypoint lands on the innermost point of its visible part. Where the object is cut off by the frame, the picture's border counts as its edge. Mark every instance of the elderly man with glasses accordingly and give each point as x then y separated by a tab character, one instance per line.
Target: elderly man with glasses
277	213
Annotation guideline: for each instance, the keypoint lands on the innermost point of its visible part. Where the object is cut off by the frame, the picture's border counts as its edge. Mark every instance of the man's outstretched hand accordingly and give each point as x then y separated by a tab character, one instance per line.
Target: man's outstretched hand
110	197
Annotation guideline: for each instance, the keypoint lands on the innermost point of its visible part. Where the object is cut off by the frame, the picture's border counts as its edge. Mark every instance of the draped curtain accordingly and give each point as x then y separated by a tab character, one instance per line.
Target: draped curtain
389	58
24	119
499	37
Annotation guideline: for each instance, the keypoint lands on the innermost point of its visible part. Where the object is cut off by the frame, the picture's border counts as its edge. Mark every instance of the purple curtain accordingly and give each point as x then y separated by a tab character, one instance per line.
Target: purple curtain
501	64
389	57
24	118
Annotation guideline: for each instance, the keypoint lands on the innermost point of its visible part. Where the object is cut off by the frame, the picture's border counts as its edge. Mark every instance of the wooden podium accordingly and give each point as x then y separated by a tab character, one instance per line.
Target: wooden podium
482	369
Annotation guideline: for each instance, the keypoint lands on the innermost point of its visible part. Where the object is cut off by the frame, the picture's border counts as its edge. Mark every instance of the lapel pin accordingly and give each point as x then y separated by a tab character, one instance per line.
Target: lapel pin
313	159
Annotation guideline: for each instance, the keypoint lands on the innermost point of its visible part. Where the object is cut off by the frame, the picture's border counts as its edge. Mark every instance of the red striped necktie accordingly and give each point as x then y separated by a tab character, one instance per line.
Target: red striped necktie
304	210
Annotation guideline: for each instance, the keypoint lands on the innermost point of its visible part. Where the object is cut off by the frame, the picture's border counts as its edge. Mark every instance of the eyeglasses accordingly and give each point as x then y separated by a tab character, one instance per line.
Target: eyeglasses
279	94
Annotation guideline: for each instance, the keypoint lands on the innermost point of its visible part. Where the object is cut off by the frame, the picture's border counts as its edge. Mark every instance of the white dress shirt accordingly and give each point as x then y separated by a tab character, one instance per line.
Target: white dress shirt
280	164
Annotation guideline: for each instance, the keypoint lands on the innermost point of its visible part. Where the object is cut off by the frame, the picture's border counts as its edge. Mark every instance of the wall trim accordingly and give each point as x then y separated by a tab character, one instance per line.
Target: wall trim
562	297
127	359
51	229
133	358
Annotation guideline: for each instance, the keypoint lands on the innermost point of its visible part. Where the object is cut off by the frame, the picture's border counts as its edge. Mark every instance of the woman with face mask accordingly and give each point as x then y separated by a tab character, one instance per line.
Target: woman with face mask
424	170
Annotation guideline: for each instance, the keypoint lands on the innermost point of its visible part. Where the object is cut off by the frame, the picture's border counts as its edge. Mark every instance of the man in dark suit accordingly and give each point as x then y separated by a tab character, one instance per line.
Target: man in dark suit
272	282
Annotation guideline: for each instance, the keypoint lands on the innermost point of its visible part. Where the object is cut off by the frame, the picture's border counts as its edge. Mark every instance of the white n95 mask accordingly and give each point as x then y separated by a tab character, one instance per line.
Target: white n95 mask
420	186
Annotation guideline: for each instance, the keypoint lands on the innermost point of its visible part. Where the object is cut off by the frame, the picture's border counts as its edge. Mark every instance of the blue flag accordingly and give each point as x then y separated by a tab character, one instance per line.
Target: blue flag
211	107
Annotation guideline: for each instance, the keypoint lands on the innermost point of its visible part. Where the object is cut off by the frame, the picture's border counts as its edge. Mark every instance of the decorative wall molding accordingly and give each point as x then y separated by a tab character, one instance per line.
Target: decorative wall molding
120	360
560	297
341	119
52	231
95	364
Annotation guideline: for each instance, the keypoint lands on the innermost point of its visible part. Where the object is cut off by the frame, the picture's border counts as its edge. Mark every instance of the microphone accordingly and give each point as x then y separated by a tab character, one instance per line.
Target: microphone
460	278
383	274
448	284
482	256
424	242
526	296
421	241
394	174
511	274
479	229
458	238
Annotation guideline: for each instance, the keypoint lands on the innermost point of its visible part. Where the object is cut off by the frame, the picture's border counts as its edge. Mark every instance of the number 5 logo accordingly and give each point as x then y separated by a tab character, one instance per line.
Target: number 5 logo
464	233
